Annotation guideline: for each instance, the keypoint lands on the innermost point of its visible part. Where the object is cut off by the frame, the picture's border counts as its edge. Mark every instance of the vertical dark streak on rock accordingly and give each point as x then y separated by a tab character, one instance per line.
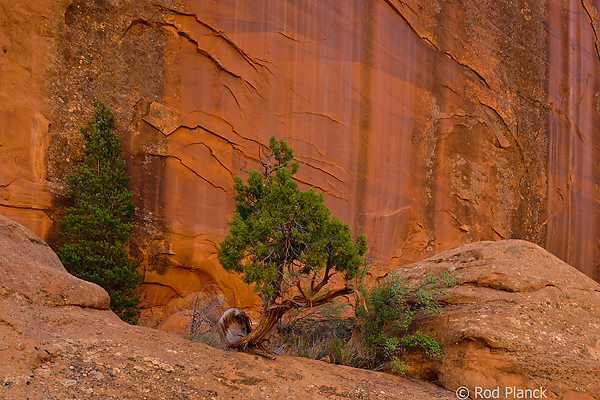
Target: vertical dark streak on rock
592	268
366	112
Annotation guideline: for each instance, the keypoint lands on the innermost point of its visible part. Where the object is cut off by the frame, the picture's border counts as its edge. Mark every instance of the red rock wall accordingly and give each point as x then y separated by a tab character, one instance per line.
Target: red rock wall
23	118
572	125
427	124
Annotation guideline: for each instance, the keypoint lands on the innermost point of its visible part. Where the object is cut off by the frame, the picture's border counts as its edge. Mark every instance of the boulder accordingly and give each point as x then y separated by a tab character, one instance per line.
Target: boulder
518	318
31	270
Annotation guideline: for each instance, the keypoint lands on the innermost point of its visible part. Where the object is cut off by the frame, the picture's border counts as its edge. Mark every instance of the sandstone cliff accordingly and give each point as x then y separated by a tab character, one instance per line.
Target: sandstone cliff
427	124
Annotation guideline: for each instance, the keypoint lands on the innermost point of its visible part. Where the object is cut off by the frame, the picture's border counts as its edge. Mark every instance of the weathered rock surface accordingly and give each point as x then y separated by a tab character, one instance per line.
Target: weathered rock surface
30	270
426	123
58	341
518	317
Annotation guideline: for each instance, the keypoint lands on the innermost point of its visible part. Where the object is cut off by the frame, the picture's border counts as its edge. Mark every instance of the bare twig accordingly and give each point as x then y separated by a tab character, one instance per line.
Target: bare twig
204	309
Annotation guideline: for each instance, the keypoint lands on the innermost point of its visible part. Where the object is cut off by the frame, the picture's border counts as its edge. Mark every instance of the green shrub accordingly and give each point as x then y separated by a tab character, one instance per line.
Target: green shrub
98	225
392	306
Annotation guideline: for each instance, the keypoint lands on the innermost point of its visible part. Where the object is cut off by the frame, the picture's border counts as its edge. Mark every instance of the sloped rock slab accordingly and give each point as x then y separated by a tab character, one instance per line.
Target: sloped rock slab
59	341
30	269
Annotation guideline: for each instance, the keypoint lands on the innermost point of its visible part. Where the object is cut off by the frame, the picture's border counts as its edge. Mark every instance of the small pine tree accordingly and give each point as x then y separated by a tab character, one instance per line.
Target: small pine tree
283	240
98	225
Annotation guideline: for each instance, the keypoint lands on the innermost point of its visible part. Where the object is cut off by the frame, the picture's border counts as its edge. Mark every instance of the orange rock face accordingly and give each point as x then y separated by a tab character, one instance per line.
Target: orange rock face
50	284
426	124
518	319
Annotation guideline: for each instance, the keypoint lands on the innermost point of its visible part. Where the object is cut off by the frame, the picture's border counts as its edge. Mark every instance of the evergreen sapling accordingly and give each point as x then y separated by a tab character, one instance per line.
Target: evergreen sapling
98	225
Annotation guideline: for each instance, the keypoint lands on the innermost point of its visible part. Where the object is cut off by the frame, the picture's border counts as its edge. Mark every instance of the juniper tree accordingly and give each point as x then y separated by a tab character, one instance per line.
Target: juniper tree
98	225
283	240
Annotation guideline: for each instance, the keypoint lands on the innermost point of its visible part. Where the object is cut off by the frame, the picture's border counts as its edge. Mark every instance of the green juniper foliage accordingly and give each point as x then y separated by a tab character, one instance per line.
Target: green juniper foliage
281	237
98	225
392	306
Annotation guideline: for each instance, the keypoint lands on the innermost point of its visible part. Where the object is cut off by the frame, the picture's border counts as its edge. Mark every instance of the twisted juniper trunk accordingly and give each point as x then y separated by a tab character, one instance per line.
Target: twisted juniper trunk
255	339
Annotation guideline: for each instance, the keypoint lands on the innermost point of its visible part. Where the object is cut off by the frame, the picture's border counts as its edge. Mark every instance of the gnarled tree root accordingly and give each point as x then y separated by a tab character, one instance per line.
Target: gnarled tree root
253	343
